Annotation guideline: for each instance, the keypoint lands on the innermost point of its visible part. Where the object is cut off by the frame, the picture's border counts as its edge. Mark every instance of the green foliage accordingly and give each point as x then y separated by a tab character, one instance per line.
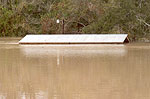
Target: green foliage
127	16
10	23
20	17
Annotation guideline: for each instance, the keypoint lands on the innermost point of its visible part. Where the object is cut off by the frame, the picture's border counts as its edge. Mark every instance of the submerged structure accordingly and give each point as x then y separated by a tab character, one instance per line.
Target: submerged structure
76	39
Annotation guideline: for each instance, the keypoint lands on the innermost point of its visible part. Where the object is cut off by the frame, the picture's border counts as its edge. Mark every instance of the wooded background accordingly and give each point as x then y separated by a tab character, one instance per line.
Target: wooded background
20	17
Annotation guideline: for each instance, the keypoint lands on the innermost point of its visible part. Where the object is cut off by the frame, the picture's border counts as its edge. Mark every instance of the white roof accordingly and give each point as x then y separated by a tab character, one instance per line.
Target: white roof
74	39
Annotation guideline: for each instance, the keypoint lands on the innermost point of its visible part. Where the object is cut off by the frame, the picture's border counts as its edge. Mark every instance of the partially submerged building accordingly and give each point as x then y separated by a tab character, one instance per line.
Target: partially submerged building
76	39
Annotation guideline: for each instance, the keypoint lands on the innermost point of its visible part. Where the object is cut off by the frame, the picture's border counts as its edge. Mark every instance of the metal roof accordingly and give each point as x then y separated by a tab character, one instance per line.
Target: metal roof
75	39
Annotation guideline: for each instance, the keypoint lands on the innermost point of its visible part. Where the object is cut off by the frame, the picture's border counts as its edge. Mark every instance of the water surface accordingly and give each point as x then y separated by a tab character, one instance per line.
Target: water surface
74	71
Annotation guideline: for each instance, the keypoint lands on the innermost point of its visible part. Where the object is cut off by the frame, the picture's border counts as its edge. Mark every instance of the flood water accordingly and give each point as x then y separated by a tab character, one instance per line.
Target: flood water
74	71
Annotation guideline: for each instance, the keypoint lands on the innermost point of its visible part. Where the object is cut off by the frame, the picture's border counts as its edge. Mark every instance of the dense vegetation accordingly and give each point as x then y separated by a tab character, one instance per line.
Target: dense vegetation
19	17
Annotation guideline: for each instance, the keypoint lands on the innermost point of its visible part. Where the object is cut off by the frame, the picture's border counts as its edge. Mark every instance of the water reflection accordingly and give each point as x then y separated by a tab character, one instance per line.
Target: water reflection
69	50
74	72
3	96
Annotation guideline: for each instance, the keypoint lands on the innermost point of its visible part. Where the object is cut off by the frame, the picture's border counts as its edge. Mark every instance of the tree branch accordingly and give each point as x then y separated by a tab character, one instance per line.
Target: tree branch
143	22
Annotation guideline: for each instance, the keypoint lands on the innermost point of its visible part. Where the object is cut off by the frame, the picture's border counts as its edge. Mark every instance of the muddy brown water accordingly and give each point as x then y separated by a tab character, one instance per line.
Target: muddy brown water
97	71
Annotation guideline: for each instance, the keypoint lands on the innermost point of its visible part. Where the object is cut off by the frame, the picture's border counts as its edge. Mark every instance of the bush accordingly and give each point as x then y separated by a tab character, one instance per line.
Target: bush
86	16
10	23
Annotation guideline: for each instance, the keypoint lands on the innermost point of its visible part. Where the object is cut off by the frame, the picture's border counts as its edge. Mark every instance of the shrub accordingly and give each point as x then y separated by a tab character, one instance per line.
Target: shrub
10	23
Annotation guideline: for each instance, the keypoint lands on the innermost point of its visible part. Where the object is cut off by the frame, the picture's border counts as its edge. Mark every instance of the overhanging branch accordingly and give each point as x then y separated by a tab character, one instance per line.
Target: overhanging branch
143	22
